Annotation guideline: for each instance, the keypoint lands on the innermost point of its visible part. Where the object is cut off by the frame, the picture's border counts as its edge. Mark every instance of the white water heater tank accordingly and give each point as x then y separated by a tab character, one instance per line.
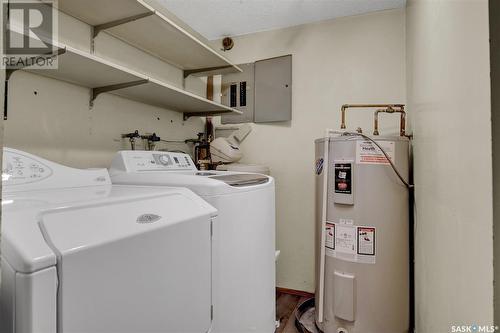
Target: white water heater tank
362	235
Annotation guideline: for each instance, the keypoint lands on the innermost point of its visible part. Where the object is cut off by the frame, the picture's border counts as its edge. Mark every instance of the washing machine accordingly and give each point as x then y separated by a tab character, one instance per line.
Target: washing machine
243	239
81	255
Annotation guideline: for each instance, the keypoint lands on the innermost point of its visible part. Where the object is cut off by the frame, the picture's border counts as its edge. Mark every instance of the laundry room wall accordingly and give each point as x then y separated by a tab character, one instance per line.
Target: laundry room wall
358	59
53	119
449	97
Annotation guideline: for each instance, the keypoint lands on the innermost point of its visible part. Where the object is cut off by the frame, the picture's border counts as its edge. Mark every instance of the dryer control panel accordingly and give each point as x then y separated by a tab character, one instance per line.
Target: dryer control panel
22	169
137	161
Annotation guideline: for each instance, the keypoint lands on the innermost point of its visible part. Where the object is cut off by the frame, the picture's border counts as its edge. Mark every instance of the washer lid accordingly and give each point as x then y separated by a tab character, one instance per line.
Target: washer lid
241	180
201	183
249	168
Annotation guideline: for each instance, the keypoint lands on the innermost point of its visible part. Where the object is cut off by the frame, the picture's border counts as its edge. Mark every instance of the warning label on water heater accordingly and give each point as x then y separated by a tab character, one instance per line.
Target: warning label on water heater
330	236
330	239
366	241
368	153
350	243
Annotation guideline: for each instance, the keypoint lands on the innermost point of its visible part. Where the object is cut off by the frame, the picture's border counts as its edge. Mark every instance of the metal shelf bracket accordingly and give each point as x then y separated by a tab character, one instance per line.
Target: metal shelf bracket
99	90
8	74
187	115
100	27
188	72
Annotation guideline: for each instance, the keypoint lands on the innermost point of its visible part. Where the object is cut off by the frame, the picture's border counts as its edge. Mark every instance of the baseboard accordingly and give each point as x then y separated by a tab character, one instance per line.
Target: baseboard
294	292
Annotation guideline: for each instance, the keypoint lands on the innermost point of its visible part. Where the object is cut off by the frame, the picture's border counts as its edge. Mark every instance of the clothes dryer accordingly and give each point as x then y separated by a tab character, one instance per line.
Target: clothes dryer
81	255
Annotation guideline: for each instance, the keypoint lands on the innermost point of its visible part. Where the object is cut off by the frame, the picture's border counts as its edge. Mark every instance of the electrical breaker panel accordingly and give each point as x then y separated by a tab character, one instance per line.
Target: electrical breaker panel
263	91
238	93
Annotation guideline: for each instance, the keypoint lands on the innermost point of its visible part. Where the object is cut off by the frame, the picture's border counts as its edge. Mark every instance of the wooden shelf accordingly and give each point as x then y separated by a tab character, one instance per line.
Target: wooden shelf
101	76
140	25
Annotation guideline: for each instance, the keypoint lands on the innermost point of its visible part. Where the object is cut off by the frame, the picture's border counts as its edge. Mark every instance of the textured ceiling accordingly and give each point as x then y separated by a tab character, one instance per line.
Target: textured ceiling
218	18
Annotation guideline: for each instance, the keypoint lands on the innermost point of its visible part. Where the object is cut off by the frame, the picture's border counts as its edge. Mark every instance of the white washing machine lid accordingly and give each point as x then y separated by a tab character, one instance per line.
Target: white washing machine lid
202	183
159	168
238	167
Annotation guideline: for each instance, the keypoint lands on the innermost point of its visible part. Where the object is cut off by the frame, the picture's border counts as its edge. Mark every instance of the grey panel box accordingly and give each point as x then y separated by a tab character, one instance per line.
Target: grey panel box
238	92
273	90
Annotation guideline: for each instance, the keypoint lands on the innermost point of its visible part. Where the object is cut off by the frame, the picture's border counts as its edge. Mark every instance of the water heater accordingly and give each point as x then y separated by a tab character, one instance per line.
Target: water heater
362	234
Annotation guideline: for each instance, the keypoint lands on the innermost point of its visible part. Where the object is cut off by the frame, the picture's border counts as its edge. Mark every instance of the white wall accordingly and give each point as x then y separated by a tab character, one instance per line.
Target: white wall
449	98
357	59
52	118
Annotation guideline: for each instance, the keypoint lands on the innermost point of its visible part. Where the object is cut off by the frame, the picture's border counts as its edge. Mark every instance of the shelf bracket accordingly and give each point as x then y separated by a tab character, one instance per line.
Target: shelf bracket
92	40
100	27
8	74
188	72
10	71
187	115
99	90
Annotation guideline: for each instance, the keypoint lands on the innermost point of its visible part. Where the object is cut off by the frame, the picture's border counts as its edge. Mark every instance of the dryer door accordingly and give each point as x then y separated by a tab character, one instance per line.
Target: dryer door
133	266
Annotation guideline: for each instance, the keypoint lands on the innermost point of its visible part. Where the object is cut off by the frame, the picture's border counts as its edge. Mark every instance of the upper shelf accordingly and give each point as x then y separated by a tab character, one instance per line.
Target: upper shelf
140	25
100	75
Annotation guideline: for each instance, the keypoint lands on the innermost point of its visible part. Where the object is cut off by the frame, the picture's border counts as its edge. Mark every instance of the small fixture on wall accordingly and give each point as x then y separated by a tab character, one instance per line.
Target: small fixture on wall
227	44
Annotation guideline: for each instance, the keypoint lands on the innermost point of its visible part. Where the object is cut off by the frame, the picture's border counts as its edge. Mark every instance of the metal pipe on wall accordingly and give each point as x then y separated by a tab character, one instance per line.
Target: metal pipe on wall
388	108
402	121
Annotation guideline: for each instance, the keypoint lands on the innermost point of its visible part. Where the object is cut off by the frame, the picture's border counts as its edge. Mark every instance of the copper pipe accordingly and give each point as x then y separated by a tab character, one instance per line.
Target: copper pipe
402	121
342	110
387	107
